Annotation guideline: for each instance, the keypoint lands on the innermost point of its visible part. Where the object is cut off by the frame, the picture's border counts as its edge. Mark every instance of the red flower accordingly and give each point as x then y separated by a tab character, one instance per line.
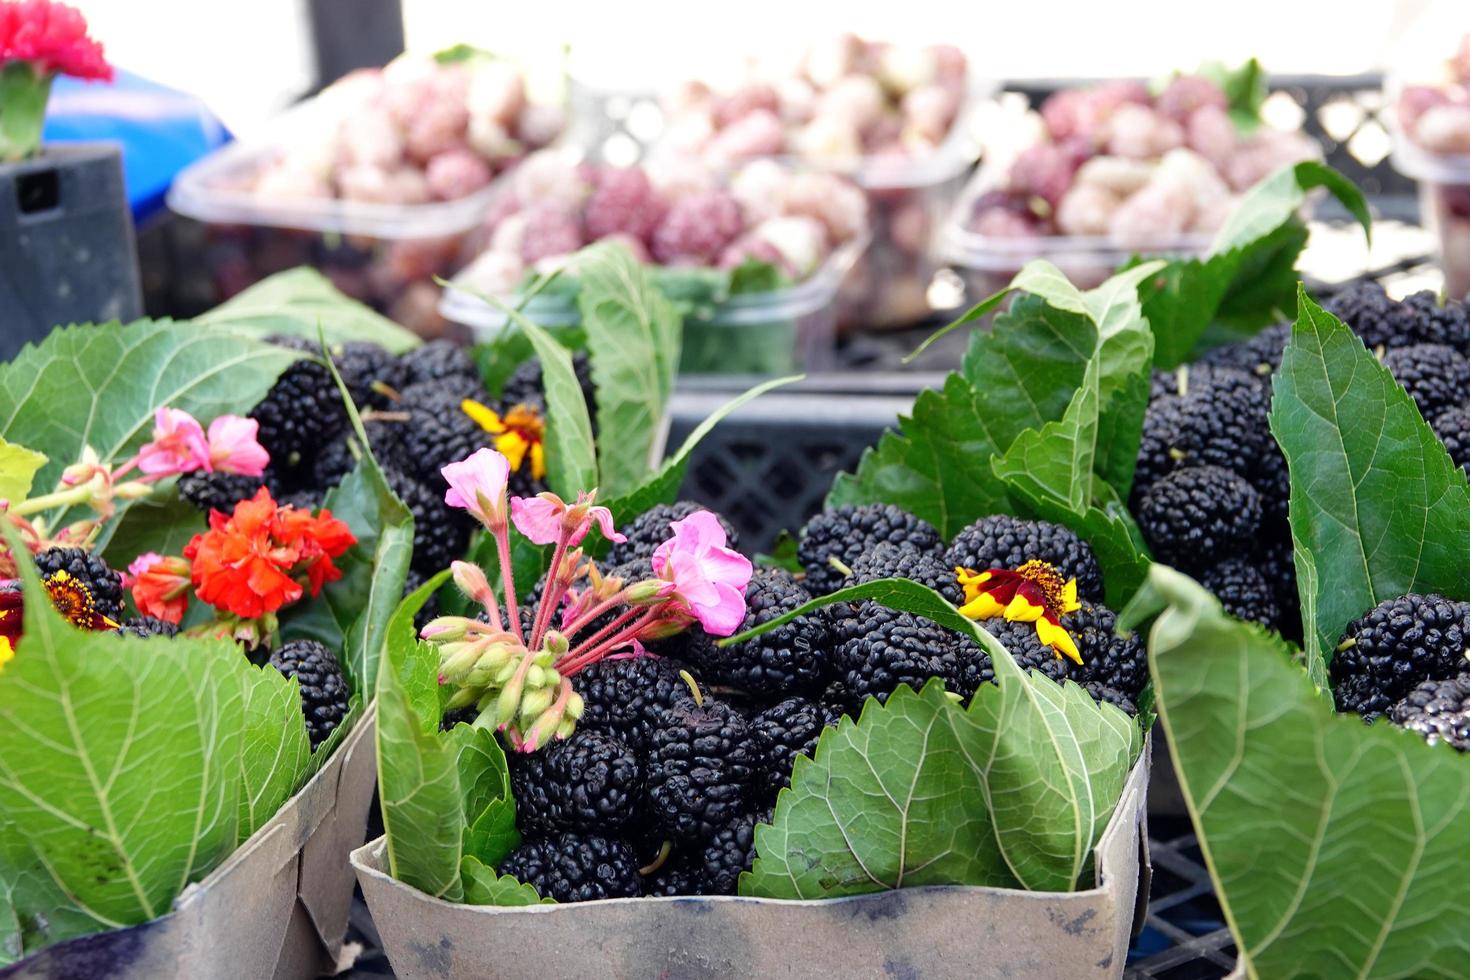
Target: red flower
319	539
52	37
252	562
12	612
160	586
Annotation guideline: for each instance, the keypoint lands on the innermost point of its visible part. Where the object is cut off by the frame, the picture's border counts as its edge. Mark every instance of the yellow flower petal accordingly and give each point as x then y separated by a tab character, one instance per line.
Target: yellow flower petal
483	415
1069	597
982	606
7	652
513	446
1058	639
1023	610
538	461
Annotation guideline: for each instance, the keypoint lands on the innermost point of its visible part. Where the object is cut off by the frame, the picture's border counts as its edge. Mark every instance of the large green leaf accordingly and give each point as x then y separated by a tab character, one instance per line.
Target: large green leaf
1337	849
1048	475
163	523
418	774
100	385
1048	761
126	768
1019	376
445	795
300	302
1248	275
275	749
1378	508
633	338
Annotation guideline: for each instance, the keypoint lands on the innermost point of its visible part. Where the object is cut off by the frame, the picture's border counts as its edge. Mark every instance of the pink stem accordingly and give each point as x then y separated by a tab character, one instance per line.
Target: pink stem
125	468
554	592
572	663
508	582
570	630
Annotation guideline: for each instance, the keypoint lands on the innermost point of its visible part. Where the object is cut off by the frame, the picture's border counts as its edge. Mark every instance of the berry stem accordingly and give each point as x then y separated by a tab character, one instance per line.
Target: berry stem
507	582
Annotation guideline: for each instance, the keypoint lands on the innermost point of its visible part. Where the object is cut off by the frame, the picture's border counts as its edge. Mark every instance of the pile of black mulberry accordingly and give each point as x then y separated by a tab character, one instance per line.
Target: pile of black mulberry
679	756
411	409
1211	492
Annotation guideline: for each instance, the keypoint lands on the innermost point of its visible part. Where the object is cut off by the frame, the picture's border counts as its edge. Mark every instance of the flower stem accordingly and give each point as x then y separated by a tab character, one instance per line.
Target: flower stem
554	591
570	630
589	654
507	582
60	498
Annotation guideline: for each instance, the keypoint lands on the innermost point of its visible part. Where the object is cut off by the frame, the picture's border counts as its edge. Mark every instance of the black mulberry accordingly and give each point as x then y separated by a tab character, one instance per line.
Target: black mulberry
436	360
1243	591
848	533
575	867
324	693
793	658
625	696
1117	662
1435	376
889	560
146	626
219	491
591	782
700	768
1438	710
651	528
784	731
1395	646
103	585
303	409
1003	541
1220	420
1195	517
1453	428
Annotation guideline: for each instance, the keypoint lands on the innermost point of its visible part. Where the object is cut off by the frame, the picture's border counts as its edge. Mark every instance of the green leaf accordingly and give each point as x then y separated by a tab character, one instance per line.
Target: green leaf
18	468
418	771
1019	376
663	486
1378	508
1048	475
1246	277
100	385
755	276
633	336
782	554
487	803
275	752
891	800
1245	91
126	766
445	795
1336	848
299	302
482	886
162	523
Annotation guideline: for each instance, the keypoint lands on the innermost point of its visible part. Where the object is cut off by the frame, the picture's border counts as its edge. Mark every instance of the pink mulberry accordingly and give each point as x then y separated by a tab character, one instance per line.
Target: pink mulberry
696	229
624	202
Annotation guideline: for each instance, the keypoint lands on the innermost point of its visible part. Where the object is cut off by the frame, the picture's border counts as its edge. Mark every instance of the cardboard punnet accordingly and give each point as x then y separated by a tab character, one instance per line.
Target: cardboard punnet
276	908
912	932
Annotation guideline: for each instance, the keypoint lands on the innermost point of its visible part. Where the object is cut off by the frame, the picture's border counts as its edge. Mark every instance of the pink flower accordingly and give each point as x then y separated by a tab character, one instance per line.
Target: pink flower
234	448
477	484
708	577
544	517
178	445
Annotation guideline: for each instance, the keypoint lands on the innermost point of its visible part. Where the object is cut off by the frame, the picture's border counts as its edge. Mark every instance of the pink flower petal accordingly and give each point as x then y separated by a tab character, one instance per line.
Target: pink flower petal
538	518
234	446
477	484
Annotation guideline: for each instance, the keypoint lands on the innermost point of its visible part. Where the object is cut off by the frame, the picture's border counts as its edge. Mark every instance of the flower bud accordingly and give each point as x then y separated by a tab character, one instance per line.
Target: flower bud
132	490
536	702
648	592
555	644
462	698
446	629
470	579
575	706
456	661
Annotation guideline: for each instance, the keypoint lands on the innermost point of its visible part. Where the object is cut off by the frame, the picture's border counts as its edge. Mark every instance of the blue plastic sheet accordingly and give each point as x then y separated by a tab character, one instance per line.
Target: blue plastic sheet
161	130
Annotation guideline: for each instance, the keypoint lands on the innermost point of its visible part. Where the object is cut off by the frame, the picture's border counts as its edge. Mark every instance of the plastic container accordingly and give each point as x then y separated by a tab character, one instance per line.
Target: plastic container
910	932
908	199
277	907
383	254
791	329
987	263
1444	206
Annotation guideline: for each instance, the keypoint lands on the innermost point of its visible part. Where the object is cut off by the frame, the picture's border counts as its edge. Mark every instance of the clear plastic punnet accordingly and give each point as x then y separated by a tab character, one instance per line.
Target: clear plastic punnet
340	179
793	328
987	263
1429	93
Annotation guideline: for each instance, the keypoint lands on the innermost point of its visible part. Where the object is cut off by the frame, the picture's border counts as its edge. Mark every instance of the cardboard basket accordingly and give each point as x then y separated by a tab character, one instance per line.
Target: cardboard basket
912	932
277	907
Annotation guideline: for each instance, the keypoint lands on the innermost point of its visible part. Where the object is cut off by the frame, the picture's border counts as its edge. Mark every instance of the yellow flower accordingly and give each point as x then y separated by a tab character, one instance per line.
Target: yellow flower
1034	593
519	435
